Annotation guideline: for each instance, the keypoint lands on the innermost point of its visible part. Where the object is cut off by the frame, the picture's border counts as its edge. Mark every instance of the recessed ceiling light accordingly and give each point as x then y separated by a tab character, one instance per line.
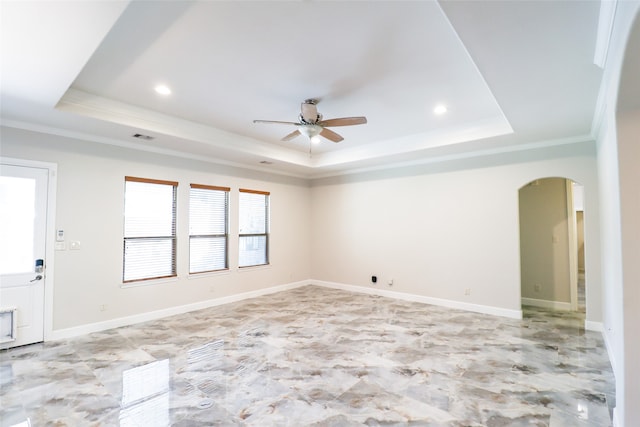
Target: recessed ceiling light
163	90
440	109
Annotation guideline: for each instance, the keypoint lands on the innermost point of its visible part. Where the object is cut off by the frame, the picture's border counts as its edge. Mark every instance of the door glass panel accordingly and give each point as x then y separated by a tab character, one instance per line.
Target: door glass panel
17	215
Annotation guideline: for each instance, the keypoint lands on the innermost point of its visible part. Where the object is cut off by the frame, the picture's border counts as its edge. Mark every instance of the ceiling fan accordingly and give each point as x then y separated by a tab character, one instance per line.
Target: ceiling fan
311	125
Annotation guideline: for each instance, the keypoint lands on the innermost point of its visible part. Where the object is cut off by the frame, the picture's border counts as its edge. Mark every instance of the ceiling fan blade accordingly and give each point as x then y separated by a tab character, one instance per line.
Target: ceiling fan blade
344	121
276	122
309	111
291	135
331	135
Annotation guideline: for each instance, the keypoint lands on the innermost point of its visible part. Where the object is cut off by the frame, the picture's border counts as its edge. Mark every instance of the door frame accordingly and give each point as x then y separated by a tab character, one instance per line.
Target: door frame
572	228
52	169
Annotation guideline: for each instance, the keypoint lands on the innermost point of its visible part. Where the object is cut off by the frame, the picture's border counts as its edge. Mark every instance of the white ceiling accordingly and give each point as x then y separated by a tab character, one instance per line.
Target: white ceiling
511	73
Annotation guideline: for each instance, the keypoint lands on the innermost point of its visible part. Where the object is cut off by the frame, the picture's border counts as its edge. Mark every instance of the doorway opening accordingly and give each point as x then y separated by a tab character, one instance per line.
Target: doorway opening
552	245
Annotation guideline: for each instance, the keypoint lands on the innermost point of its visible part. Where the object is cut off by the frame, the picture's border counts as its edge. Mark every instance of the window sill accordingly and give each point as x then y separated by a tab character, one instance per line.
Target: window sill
193	276
149	282
254	268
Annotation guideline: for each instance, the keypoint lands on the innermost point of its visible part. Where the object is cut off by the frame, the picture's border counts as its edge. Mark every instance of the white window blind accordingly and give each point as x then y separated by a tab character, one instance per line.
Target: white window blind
253	228
149	229
208	228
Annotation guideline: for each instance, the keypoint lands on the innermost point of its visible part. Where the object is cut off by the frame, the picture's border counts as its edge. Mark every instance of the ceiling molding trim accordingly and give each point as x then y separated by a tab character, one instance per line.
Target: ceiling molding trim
601	107
580	139
481	129
133	146
605	28
310	177
89	105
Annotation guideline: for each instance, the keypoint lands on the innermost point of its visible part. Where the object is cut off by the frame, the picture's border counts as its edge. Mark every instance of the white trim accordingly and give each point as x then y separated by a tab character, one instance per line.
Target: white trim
82	136
311	174
572	237
543	303
476	308
608	344
590	325
170	311
221	272
605	27
615	422
580	139
149	282
49	234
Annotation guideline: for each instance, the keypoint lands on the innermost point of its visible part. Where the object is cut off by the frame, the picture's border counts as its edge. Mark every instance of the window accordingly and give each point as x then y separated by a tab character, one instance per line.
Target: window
149	229
208	228
254	228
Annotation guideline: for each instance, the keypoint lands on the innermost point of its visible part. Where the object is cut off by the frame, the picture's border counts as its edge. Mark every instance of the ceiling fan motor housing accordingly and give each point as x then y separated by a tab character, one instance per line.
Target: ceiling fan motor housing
309	112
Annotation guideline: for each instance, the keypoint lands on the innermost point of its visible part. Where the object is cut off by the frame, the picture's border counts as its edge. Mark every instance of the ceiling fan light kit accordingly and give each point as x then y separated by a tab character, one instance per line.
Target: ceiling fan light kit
311	125
310	130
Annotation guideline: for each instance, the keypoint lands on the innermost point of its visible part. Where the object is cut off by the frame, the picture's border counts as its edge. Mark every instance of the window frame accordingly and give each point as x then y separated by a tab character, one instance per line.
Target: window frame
267	195
173	237
227	191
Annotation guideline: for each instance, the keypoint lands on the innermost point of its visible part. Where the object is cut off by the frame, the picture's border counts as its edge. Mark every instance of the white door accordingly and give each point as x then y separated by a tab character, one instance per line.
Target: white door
23	222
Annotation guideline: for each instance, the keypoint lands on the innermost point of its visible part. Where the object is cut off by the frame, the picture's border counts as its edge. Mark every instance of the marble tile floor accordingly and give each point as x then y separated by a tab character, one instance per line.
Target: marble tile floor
315	356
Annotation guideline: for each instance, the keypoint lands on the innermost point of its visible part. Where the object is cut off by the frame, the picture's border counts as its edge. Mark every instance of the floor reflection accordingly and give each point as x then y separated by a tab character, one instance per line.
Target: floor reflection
321	357
145	395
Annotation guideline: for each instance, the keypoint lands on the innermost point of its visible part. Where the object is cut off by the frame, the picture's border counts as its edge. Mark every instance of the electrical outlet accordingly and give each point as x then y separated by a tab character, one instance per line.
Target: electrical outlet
537	287
374	279
103	307
467	291
390	282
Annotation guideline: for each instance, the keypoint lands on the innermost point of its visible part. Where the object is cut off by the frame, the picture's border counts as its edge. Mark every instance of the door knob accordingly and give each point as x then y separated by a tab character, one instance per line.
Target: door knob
38	277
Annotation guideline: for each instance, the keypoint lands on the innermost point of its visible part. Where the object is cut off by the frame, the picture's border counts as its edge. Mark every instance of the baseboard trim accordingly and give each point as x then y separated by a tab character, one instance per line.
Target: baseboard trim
543	303
476	308
170	311
608	344
590	325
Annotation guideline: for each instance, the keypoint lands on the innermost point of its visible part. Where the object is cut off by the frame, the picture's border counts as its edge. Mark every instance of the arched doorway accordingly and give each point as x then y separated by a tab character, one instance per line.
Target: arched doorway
552	266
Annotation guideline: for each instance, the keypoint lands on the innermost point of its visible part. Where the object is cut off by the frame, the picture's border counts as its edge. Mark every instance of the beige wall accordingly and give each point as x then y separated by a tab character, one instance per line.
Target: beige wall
435	229
89	209
580	231
439	229
544	240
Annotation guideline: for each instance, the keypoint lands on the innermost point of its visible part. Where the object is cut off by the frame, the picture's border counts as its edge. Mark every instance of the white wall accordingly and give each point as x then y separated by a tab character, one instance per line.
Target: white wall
438	229
617	144
629	154
90	210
